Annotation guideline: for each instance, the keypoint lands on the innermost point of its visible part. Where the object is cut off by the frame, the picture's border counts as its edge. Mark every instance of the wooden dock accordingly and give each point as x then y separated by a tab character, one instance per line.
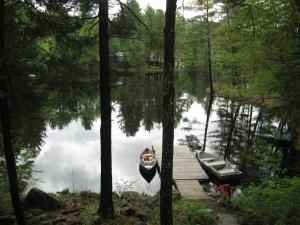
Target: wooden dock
187	172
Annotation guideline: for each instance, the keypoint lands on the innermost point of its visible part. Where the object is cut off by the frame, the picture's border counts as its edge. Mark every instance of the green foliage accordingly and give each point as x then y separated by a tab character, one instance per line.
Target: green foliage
186	212
256	50
89	215
275	202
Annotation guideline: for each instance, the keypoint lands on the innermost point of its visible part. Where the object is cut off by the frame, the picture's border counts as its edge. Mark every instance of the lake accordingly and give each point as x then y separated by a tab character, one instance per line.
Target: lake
70	153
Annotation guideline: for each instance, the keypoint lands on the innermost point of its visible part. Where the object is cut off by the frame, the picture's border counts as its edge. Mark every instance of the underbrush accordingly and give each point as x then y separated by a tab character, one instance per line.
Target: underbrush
131	207
187	212
271	202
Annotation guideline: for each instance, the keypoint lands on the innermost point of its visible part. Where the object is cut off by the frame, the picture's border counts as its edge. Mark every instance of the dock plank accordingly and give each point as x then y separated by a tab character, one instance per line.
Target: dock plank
181	152
186	172
191	189
185	165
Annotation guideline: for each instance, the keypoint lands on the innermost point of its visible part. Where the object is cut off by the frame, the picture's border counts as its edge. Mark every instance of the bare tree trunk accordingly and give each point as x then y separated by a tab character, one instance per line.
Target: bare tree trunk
166	216
211	98
5	122
106	205
254	130
230	132
249	127
209	52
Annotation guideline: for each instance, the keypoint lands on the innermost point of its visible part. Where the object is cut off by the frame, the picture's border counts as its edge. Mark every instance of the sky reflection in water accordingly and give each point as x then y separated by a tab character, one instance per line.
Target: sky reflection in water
75	149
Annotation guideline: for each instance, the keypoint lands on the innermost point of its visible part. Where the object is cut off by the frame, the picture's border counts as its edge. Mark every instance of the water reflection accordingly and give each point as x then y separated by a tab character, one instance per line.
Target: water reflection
75	149
70	156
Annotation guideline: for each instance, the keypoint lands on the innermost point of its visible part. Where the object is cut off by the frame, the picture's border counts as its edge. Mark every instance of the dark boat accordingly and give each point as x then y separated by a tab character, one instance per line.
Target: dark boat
148	164
221	169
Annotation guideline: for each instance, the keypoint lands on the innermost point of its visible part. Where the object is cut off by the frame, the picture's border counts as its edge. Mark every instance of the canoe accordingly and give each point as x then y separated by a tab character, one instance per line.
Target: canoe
148	164
221	169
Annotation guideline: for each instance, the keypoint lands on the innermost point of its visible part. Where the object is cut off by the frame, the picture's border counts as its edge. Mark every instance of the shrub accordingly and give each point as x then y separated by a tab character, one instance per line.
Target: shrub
275	202
188	212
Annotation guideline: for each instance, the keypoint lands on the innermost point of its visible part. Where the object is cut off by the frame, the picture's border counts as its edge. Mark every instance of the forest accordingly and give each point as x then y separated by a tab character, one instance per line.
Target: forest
86	85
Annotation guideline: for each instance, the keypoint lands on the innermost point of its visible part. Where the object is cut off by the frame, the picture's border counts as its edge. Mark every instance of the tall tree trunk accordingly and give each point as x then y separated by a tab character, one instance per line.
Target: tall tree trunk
166	217
250	142
209	51
230	132
106	205
211	98
249	127
5	122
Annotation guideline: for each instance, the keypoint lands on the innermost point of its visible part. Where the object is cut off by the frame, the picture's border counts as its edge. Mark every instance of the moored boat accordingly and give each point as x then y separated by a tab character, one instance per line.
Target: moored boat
221	169
148	164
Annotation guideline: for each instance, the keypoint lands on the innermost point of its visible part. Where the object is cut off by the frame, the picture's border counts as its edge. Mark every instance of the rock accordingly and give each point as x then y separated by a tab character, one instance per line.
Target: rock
7	220
59	220
38	199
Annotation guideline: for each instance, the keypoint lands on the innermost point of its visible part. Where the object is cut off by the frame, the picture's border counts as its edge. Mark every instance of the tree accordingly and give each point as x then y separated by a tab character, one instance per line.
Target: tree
126	31
209	50
208	111
106	205
154	19
5	122
166	216
234	117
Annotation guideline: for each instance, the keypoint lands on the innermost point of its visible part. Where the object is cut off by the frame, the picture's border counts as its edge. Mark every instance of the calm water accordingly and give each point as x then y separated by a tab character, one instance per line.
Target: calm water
70	154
